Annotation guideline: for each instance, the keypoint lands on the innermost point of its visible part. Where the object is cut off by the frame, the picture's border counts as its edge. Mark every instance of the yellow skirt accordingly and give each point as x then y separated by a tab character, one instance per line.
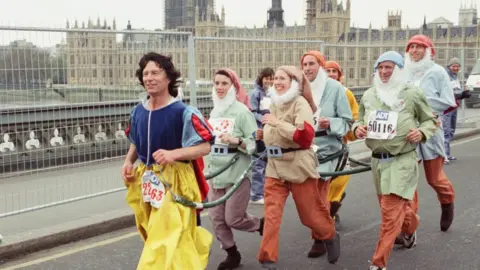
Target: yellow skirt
172	239
337	188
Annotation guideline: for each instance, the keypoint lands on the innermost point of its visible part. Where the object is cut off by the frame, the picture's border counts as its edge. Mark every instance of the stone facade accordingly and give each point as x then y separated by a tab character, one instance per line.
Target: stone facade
107	59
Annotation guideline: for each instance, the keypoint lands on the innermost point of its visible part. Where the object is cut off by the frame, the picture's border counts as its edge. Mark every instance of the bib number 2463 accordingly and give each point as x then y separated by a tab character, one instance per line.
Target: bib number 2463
153	191
382	125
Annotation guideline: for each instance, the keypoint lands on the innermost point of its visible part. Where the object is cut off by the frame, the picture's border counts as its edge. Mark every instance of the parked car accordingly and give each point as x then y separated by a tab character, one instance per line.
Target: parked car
473	85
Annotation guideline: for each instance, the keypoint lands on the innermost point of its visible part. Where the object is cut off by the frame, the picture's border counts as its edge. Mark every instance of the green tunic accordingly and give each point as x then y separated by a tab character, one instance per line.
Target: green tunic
398	175
245	126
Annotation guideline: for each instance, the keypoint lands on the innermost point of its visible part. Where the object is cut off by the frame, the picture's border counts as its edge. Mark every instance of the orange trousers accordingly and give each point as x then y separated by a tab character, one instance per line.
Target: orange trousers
312	211
438	180
397	216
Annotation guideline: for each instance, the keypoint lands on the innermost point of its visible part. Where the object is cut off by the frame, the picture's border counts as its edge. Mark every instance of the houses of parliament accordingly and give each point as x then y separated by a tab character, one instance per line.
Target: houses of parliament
105	58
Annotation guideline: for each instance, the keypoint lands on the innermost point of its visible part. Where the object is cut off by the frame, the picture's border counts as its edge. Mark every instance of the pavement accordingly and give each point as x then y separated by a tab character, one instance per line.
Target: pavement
456	249
106	215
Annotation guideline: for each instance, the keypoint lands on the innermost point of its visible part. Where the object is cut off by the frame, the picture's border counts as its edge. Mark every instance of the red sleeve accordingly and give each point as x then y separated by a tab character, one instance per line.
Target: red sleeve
203	130
198	167
127	130
452	108
304	137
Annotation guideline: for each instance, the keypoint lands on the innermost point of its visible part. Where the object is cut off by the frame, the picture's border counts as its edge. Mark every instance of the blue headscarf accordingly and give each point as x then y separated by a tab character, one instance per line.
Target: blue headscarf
391	56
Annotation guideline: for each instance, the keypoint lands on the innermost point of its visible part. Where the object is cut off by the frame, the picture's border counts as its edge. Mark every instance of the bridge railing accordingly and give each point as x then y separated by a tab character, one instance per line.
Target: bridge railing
66	94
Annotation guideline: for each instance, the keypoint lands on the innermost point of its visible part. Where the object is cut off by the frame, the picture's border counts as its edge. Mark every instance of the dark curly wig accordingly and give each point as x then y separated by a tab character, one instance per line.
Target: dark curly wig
266	72
164	62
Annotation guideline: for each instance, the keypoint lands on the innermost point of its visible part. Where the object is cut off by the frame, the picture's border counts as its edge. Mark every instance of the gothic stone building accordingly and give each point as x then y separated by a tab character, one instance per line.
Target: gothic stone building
105	59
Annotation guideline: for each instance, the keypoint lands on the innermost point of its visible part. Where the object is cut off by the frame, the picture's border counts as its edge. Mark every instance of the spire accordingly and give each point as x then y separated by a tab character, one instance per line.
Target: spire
76	24
105	23
68	24
83	25
114	24
223	14
425	22
197	14
275	15
209	11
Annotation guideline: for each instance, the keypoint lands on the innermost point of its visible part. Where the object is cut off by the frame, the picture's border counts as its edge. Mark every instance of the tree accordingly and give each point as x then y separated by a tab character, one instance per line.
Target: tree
59	69
23	67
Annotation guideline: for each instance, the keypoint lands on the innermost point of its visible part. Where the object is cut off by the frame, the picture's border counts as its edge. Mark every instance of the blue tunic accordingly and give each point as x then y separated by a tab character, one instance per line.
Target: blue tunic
334	106
437	88
171	127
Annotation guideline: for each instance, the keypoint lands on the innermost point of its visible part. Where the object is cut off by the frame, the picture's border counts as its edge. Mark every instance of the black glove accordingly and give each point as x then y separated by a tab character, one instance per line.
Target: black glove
466	94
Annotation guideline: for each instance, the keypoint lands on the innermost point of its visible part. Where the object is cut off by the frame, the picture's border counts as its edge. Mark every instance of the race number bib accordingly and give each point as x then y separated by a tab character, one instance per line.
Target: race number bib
382	125
316	117
153	191
221	126
455	84
265	104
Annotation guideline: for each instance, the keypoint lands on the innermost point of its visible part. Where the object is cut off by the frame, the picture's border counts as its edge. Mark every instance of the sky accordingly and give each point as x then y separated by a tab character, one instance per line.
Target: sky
148	14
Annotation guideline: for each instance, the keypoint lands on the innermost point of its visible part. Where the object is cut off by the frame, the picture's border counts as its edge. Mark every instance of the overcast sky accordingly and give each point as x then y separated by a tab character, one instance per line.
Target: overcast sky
149	13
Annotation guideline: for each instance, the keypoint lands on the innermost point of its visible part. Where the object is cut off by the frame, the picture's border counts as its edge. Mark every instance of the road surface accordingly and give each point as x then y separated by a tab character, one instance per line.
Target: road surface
456	249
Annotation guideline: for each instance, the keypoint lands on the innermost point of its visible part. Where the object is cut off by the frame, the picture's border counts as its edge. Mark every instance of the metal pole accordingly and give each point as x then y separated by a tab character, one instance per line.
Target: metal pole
463	114
192	71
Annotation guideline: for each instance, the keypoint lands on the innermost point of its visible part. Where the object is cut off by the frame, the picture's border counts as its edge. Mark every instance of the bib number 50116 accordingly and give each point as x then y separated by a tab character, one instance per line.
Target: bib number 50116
382	125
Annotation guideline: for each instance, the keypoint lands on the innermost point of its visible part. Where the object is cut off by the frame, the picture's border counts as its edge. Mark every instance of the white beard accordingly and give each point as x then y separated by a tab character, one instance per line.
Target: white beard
388	92
416	70
318	86
286	97
220	105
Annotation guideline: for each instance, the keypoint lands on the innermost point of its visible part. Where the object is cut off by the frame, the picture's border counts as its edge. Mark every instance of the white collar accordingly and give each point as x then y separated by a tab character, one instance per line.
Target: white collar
286	97
388	92
416	70
318	86
220	105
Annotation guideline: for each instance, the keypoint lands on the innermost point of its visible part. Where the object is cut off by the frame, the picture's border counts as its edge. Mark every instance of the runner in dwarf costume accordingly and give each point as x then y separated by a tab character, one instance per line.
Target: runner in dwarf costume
169	139
337	192
388	117
288	135
234	126
333	119
423	72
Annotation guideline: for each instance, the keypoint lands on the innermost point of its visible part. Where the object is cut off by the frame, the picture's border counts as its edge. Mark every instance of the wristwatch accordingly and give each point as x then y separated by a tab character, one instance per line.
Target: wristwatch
240	141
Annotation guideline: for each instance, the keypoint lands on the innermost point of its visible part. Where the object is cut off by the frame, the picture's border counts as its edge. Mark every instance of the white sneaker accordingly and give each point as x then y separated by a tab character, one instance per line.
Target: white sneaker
373	267
410	242
261	201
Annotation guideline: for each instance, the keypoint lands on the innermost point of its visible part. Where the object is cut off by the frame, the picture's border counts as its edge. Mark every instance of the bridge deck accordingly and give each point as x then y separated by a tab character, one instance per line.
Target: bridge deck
455	249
